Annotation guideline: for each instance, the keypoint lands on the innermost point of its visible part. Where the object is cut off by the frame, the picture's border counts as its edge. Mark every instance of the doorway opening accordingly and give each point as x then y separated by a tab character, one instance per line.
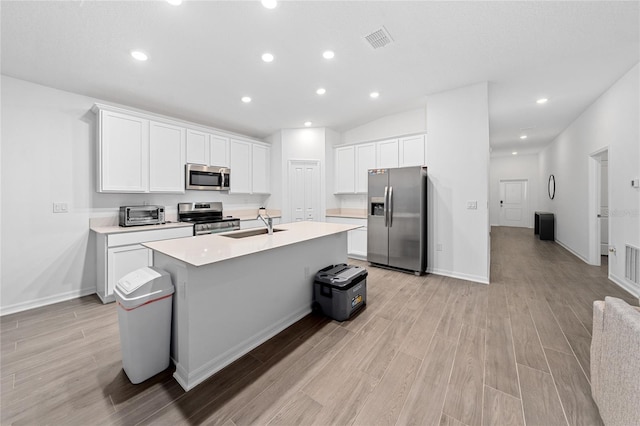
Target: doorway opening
599	207
514	203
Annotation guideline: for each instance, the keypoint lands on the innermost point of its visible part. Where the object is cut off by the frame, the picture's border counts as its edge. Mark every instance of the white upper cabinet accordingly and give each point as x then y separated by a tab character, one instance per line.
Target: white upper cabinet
206	149
123	153
166	158
345	170
249	164
412	151
387	154
353	162
260	158
365	160
141	152
219	151
197	147
240	165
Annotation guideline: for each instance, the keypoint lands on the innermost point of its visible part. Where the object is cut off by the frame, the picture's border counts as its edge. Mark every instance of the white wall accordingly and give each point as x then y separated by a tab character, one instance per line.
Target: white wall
513	167
332	138
276	171
48	155
611	121
458	168
390	126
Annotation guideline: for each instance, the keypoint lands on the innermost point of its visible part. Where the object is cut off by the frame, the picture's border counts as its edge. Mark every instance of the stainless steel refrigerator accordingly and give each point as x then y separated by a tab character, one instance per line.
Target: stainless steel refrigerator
397	218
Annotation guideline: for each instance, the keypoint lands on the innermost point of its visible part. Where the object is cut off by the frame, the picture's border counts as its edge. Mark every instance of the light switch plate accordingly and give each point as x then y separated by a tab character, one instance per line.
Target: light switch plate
472	205
635	183
60	208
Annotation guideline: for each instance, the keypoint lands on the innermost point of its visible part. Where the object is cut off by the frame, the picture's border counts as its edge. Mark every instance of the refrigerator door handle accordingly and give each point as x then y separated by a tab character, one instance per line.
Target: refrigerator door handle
386	205
390	206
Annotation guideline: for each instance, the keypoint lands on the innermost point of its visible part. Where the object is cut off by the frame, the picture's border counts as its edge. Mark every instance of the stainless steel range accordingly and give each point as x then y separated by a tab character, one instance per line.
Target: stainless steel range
206	217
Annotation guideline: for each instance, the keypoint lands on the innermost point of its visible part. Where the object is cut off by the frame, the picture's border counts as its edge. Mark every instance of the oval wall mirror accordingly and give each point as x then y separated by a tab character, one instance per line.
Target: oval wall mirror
552	186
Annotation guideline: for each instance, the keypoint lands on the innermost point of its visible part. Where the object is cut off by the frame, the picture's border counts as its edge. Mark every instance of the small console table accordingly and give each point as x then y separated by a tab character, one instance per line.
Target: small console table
544	225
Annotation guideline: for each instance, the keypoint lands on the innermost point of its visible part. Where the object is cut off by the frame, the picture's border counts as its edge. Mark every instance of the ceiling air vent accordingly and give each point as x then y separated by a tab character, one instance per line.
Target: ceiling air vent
379	38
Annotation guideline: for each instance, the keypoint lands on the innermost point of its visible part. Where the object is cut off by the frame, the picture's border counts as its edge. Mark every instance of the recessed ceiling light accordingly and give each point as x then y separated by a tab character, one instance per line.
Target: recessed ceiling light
542	101
514	153
374	94
269	4
321	91
246	99
307	123
139	55
174	2
328	54
267	57
523	137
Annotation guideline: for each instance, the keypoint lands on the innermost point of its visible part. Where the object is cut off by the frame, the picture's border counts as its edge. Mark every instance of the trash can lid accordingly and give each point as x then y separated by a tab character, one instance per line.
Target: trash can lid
143	286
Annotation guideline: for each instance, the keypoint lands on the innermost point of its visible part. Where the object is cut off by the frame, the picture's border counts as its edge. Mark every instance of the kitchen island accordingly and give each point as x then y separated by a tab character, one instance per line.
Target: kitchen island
232	294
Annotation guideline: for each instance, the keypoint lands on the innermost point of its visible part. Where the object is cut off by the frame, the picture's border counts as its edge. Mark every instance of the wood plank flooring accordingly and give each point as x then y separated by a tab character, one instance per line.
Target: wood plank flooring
427	350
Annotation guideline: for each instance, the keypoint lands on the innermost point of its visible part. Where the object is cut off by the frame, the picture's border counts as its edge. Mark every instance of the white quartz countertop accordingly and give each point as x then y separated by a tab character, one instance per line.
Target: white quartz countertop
115	229
206	249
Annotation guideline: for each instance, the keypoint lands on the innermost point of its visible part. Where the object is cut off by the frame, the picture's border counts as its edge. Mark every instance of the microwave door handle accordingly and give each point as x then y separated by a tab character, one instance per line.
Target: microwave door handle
222	174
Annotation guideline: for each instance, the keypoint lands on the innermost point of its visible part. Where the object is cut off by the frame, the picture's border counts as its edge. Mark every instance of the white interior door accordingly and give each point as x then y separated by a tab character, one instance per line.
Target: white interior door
304	184
514	205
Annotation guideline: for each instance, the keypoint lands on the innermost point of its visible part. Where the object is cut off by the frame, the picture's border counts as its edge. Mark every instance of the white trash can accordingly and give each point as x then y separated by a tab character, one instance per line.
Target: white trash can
144	298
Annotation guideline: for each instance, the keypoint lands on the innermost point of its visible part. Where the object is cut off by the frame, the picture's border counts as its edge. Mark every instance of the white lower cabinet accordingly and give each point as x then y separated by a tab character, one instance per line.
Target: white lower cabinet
119	254
121	261
357	243
356	238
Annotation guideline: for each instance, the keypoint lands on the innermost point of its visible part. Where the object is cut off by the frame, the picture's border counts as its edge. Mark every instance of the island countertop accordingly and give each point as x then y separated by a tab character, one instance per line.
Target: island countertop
206	249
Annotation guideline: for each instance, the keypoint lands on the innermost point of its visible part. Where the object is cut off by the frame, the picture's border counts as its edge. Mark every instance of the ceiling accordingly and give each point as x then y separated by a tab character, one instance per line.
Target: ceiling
205	55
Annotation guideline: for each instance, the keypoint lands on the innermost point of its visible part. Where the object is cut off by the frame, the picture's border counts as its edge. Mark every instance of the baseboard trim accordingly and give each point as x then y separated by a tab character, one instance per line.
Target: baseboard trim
44	301
357	257
570	250
458	275
620	282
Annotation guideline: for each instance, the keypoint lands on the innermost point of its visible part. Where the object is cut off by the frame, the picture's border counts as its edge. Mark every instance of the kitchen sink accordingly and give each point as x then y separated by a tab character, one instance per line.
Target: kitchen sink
251	233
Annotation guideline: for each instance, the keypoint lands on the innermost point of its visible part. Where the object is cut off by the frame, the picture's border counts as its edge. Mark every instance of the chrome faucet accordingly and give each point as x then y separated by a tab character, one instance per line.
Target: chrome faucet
268	222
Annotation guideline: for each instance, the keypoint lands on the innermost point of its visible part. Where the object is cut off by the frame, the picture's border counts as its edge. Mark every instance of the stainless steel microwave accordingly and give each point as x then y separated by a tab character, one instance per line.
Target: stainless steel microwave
141	215
207	178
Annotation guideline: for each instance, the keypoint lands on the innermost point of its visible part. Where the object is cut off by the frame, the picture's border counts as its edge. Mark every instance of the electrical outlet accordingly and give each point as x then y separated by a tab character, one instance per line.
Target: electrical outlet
438	247
472	205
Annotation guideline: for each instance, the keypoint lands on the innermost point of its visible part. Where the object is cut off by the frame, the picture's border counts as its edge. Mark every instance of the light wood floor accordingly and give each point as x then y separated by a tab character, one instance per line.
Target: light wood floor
427	350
